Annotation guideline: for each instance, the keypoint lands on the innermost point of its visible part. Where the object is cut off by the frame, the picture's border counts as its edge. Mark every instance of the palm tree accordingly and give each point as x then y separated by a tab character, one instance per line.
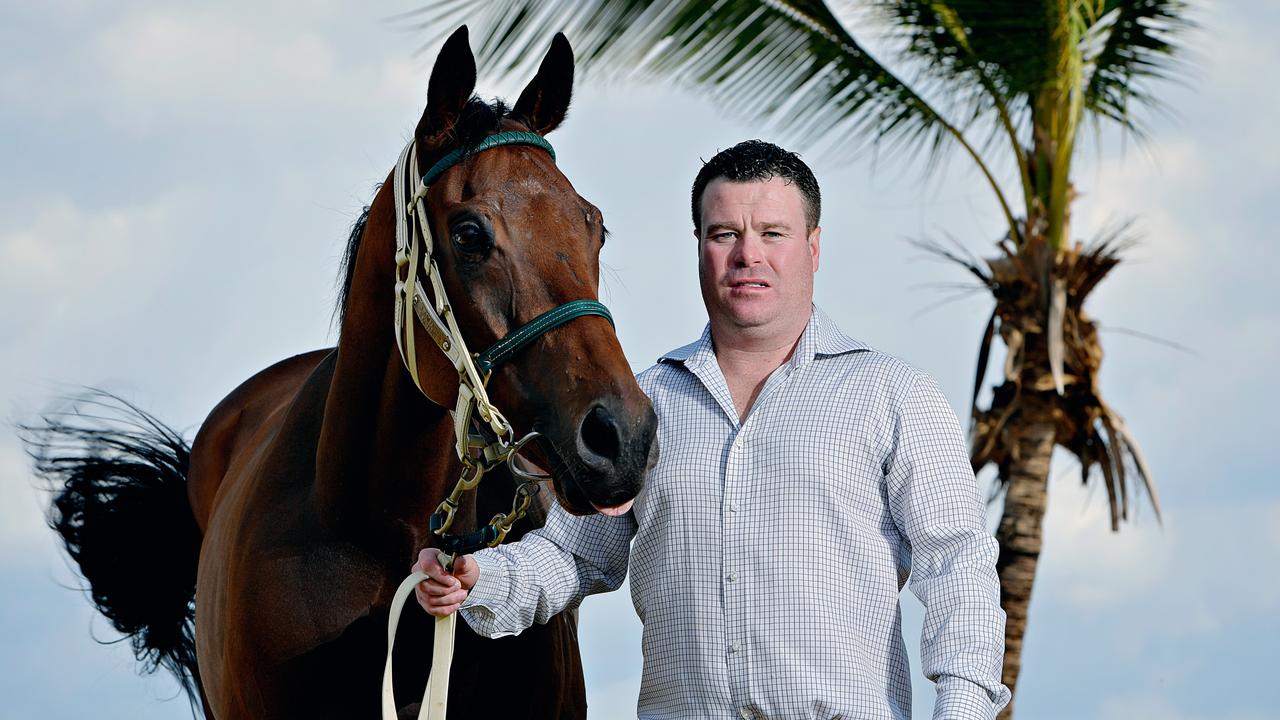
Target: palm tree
1008	81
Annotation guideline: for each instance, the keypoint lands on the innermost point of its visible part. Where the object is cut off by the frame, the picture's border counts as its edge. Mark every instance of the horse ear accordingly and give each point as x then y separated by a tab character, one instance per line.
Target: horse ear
452	81
544	103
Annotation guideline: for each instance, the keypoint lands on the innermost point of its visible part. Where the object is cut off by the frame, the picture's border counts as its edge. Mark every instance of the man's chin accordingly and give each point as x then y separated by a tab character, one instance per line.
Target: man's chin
747	318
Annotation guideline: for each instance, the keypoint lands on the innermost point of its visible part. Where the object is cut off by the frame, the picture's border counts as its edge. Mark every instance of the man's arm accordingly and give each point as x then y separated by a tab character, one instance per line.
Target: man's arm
547	571
934	500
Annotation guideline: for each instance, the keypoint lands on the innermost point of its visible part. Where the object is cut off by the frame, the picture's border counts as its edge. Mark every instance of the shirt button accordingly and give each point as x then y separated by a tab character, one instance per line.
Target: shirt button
734	647
733	575
746	714
734	507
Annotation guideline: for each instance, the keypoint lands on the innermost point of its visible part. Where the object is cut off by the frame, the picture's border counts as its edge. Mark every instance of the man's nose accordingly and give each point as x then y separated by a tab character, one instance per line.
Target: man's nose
747	250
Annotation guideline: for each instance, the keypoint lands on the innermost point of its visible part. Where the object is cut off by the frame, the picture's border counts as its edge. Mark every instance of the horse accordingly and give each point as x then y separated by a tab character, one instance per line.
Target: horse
259	563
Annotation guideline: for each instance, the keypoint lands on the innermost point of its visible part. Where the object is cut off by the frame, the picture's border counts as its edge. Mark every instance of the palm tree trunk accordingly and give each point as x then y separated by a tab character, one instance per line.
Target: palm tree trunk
1027	474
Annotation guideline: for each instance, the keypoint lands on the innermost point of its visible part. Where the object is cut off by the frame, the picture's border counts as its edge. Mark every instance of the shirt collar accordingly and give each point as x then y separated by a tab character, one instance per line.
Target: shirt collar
695	353
821	337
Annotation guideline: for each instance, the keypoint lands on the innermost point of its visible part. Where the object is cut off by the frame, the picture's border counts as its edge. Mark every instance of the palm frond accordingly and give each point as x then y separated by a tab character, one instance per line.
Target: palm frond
1140	45
964	259
1139	459
1113	470
1004	42
1099	258
1057	344
1100	453
984	356
791	63
788	61
1146	336
986	56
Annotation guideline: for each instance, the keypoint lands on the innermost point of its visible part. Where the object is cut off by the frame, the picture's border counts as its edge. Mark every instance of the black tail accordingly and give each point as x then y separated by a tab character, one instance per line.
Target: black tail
120	483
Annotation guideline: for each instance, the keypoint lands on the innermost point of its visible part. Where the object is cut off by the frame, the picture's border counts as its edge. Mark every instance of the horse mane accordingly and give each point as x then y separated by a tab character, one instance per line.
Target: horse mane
479	119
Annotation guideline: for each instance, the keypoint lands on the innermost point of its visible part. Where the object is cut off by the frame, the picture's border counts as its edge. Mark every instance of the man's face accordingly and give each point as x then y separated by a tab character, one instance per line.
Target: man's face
756	259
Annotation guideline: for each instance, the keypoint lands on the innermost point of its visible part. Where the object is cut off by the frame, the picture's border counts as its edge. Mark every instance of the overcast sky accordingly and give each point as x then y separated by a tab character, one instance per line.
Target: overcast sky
177	181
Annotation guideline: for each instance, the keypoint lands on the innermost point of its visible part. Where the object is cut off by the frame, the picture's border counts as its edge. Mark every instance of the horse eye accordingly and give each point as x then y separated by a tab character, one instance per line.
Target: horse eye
471	238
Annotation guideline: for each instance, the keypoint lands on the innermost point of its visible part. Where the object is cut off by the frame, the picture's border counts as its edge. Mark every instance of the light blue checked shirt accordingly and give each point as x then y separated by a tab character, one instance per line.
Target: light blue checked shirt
767	557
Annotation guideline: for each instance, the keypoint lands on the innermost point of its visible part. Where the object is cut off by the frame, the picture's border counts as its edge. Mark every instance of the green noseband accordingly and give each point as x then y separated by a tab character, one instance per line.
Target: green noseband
502	350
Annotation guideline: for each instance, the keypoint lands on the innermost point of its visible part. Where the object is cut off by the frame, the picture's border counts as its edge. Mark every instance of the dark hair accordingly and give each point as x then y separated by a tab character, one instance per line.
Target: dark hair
753	160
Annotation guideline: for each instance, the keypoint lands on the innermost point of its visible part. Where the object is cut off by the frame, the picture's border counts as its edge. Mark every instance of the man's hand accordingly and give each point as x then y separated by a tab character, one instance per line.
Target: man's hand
444	591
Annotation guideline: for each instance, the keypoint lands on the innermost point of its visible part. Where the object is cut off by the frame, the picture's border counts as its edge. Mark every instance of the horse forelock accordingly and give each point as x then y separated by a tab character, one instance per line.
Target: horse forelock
478	120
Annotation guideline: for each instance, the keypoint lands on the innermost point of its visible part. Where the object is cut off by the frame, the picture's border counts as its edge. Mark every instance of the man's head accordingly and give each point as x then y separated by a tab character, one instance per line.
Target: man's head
757	160
755	212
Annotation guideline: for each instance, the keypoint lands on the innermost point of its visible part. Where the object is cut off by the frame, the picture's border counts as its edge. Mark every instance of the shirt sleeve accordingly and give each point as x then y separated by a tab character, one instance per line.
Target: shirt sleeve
548	571
934	499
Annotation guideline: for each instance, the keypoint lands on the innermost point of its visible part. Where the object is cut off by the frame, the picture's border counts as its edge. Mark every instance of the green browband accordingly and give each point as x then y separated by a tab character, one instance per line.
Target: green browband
493	141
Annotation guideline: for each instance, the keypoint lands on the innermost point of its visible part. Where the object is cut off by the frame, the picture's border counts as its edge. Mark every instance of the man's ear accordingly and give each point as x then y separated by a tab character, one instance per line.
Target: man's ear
453	79
544	103
815	246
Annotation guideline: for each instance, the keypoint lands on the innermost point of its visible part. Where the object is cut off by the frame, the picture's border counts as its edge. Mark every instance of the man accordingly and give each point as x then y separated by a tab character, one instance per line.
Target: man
802	477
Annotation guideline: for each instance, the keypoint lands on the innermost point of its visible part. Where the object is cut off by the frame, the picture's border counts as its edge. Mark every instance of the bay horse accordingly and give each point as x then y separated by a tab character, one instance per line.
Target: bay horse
259	565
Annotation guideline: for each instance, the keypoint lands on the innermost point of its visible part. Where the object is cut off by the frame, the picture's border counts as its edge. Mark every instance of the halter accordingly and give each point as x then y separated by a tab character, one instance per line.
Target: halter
473	410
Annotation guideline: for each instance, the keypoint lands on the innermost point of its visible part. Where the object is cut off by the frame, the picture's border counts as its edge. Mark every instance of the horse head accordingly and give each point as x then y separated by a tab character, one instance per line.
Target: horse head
513	240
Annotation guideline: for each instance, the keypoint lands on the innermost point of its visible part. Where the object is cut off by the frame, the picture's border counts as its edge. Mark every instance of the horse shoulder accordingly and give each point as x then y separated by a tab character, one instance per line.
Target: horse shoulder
288	581
235	423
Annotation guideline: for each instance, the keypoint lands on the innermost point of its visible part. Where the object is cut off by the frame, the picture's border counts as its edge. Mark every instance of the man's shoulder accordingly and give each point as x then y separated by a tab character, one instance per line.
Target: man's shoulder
855	360
682	353
662	372
869	364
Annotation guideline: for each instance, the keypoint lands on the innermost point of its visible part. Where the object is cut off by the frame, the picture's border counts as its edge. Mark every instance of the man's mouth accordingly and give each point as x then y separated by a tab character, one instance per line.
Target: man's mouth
749	284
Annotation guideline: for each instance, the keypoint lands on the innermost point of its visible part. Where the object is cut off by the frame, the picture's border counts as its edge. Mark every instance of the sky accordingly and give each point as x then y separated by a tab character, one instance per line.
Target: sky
177	184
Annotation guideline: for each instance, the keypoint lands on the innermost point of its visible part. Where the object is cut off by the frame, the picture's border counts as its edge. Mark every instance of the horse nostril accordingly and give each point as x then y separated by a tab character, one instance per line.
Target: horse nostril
600	434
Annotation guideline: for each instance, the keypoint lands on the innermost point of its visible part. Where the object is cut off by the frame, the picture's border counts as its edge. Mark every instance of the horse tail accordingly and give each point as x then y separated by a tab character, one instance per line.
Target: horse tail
119	478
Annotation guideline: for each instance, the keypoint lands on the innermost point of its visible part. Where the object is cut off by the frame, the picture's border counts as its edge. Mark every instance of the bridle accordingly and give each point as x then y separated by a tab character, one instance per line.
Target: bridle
473	412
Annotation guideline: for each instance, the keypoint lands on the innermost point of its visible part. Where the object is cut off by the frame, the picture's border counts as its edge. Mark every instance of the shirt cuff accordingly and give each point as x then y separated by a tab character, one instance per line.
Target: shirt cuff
494	586
959	699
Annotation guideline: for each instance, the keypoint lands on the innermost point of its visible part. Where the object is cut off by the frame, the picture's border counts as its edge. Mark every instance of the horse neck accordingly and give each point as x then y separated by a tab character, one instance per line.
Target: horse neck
385	451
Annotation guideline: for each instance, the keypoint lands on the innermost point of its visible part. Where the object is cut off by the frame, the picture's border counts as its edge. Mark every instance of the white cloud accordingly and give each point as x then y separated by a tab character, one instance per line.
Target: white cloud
146	66
210	55
69	268
614	701
1099	568
23	534
1150	706
609	639
1186	574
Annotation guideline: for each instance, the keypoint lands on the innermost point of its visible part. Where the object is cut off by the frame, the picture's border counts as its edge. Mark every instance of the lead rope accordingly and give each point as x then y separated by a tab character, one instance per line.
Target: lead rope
435	700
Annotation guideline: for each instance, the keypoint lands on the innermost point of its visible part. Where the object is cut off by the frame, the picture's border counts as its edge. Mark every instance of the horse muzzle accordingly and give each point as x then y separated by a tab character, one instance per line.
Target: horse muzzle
602	467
